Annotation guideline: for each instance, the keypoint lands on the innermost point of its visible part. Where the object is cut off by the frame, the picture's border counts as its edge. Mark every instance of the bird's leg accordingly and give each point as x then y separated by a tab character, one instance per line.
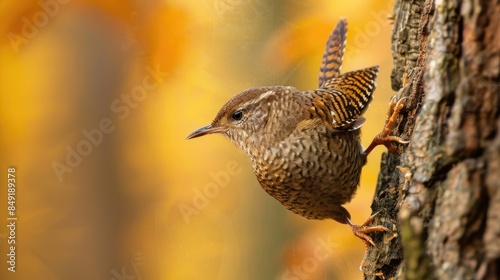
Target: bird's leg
383	138
362	231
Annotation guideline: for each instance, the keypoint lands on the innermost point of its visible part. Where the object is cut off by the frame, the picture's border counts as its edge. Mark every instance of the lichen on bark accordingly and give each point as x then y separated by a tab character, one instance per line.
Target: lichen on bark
442	193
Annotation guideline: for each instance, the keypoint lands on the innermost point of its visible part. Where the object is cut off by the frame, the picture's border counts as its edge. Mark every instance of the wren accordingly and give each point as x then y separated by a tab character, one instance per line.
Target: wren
305	146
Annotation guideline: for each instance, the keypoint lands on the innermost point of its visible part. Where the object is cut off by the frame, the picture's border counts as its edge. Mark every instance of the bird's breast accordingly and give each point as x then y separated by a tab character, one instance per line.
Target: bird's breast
310	168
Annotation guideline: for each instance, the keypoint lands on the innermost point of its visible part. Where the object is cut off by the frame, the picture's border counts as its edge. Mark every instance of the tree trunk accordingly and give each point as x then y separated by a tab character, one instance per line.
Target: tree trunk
442	193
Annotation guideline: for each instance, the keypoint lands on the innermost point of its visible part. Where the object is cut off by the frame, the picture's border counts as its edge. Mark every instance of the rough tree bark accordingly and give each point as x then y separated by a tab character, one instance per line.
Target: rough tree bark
442	193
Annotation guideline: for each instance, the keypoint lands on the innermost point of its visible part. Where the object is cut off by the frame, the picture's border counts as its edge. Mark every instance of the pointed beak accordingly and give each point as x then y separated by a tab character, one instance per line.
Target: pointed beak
209	129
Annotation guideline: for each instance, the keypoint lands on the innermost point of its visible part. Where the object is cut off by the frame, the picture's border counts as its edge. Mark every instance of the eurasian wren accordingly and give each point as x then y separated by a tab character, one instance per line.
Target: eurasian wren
305	146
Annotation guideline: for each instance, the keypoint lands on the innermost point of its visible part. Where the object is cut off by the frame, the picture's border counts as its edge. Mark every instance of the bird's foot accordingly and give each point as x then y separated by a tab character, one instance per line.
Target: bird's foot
383	138
362	231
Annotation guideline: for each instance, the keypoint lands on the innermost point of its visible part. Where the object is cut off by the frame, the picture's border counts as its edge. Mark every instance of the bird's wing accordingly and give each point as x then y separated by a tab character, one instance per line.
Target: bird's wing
334	52
341	102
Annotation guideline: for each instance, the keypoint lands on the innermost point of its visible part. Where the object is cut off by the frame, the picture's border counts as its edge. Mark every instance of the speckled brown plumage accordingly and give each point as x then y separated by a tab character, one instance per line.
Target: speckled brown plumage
305	147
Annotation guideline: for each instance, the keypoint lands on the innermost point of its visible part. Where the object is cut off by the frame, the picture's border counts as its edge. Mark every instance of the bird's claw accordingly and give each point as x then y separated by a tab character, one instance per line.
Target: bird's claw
383	138
361	231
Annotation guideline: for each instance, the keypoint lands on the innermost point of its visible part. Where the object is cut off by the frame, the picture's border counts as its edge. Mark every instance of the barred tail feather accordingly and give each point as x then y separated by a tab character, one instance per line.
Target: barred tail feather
334	53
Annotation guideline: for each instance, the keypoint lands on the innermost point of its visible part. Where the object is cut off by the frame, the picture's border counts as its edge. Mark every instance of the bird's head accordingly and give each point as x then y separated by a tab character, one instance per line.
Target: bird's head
247	118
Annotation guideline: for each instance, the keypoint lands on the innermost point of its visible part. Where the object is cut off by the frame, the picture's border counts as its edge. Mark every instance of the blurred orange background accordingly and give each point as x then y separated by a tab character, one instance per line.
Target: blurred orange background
96	99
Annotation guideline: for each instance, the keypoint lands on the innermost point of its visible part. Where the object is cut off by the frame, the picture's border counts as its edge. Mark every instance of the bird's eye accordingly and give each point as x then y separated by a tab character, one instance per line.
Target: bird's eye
237	115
